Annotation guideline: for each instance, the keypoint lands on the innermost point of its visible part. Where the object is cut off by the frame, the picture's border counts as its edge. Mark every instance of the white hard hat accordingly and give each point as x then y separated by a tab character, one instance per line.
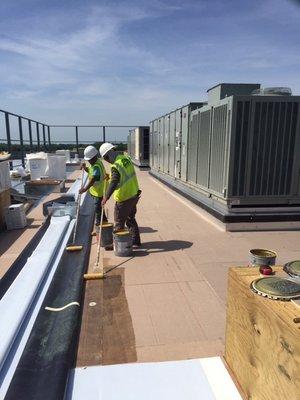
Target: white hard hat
90	152
105	148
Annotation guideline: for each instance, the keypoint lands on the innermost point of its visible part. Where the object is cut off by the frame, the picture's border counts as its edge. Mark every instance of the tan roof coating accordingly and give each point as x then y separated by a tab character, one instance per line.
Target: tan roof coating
168	302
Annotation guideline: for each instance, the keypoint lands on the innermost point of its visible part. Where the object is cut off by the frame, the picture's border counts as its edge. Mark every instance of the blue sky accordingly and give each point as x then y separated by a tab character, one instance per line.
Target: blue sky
127	62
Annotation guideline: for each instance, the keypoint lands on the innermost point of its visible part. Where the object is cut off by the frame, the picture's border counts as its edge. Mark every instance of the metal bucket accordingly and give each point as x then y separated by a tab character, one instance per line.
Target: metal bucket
123	243
262	257
106	234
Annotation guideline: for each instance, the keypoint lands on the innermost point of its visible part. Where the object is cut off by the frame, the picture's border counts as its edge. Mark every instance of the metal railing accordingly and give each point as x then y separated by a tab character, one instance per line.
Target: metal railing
40	134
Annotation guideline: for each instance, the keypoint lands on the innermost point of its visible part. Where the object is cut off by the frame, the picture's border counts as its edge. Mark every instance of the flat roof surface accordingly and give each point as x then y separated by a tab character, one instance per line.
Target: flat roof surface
168	302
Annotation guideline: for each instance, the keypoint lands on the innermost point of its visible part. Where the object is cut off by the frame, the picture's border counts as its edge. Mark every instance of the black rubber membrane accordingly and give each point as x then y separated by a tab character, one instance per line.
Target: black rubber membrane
50	352
21	260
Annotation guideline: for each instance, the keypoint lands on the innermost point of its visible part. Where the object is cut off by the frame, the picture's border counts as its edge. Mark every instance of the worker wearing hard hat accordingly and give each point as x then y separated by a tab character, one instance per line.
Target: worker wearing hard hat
97	175
124	185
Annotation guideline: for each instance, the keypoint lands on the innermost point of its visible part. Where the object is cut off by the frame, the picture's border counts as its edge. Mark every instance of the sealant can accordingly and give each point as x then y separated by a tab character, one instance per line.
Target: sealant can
262	257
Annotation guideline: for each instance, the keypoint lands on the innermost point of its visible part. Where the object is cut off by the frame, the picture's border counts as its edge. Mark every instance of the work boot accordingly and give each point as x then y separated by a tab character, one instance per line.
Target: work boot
109	247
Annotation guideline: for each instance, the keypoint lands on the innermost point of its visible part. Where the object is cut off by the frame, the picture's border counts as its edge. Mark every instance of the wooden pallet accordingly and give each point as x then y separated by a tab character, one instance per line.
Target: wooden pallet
262	340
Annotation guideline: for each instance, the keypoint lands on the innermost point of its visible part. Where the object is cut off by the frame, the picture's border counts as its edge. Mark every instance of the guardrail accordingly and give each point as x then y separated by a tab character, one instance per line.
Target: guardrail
40	134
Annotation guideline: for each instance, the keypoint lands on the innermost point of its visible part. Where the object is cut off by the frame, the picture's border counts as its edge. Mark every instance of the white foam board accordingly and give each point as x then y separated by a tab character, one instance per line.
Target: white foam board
200	379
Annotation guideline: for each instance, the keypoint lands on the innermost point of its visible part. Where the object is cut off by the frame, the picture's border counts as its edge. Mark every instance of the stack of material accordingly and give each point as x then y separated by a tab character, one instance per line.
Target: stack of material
65	153
37	164
5	185
43	165
15	217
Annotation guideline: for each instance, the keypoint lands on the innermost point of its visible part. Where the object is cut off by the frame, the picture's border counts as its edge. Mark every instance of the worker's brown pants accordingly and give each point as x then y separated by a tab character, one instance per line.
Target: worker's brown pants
125	214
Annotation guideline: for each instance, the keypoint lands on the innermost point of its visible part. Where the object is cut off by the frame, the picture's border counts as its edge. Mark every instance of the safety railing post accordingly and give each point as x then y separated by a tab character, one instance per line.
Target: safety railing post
38	136
7	125
44	138
49	137
30	135
77	143
104	135
21	141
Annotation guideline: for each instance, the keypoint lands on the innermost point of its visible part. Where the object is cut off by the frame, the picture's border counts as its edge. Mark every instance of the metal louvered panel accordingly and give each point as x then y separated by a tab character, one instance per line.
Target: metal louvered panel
154	144
185	117
172	145
145	143
203	148
178	127
241	147
161	143
193	149
166	143
274	135
218	146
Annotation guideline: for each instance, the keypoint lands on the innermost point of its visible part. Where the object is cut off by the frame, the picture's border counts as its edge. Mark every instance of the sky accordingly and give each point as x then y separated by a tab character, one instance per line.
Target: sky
130	61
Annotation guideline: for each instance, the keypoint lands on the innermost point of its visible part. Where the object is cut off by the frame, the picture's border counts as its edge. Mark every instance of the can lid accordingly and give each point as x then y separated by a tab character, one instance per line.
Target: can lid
293	268
263	253
276	288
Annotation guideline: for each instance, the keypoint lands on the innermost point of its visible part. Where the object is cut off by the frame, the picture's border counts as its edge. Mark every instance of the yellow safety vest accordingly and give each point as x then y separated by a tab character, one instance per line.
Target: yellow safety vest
98	187
128	185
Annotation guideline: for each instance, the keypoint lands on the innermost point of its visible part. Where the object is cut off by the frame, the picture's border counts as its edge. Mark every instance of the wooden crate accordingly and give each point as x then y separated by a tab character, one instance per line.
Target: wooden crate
4	202
262	342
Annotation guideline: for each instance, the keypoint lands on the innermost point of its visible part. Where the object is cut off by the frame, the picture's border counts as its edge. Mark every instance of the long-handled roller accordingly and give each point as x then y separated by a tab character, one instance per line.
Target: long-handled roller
73	247
98	275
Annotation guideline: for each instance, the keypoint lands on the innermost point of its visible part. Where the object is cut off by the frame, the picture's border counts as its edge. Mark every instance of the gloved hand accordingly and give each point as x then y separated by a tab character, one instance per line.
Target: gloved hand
83	165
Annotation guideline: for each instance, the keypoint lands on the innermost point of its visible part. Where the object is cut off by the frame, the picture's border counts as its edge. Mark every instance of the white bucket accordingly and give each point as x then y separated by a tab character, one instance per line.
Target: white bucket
38	167
65	153
56	167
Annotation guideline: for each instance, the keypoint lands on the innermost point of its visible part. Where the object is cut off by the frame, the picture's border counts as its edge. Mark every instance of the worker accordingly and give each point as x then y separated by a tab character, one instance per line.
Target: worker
124	185
97	174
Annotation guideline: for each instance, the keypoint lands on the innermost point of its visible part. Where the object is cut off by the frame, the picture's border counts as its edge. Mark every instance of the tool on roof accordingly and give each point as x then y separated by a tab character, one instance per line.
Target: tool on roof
93	276
73	247
101	274
98	275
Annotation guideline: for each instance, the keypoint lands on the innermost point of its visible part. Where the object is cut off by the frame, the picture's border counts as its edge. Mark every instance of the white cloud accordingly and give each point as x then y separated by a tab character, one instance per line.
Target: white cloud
96	72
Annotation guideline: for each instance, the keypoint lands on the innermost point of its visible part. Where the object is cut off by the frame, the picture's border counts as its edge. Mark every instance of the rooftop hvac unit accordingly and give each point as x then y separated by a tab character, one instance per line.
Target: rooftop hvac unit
138	146
272	91
246	149
169	141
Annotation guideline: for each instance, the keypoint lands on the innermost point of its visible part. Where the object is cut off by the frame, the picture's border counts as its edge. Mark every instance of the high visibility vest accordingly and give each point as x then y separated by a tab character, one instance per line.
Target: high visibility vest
98	186
128	185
